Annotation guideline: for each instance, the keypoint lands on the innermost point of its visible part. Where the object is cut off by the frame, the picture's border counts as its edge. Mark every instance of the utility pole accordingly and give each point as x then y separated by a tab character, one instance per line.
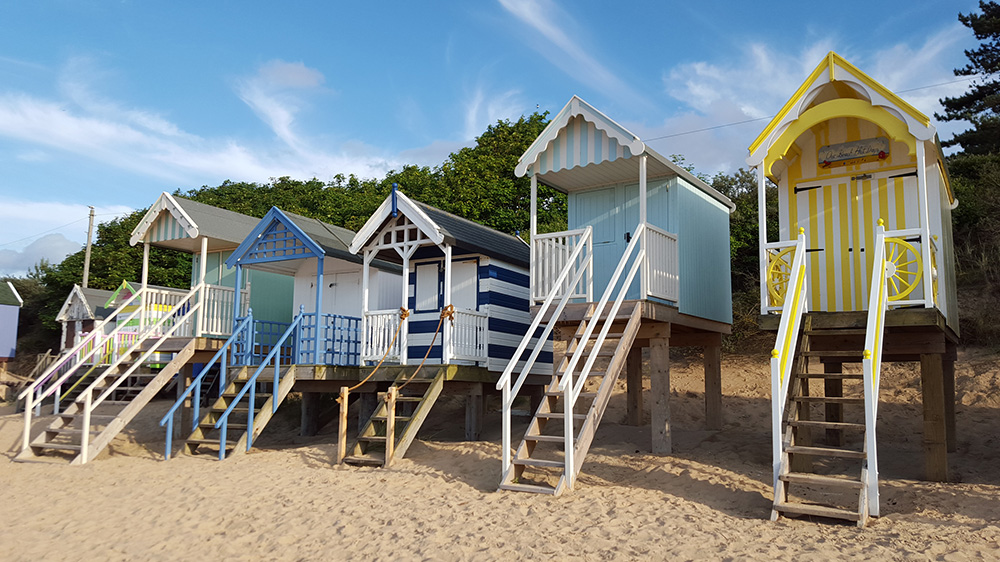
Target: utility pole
86	255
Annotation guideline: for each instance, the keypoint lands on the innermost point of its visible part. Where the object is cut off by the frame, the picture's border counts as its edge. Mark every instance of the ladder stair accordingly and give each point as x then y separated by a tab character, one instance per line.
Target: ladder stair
418	398
540	458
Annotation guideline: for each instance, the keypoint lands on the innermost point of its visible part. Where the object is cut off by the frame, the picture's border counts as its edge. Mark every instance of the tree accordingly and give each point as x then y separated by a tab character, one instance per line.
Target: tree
981	104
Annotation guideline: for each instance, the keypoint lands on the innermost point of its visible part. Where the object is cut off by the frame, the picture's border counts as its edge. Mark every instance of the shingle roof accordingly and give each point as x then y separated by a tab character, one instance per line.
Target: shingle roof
335	240
470	235
218	223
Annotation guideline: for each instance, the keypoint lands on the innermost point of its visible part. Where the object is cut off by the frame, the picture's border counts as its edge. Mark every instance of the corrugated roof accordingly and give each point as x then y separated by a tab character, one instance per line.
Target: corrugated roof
470	235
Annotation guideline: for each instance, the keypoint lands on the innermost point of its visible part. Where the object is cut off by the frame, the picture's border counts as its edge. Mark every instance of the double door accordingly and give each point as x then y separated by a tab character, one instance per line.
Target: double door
839	216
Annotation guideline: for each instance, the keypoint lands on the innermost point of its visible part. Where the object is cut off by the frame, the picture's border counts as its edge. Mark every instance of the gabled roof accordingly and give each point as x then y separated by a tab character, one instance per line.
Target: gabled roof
583	148
835	69
93	301
9	296
442	227
281	238
190	220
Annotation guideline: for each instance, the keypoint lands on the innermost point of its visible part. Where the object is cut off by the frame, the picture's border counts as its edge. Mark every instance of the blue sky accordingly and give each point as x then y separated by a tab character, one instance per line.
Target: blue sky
108	103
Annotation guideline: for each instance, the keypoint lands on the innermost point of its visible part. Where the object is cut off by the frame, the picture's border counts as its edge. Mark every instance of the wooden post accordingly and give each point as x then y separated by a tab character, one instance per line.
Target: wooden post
187	410
390	424
342	426
713	386
935	432
834	388
475	410
659	380
310	414
633	379
949	403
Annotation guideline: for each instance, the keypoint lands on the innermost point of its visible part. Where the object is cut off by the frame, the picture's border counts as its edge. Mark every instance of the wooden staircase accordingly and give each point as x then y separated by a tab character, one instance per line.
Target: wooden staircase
824	461
65	435
412	406
539	465
207	438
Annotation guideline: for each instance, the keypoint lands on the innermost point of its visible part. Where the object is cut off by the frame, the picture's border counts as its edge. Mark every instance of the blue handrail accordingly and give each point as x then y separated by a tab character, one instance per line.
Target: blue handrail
251	385
245	329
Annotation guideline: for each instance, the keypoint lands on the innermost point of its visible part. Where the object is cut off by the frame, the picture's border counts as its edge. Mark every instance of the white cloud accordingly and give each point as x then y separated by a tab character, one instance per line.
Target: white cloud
482	110
546	17
51	247
756	85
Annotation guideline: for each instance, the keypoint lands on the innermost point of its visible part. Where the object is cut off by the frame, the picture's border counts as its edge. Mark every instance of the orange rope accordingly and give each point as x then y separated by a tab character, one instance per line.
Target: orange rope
403	314
449	313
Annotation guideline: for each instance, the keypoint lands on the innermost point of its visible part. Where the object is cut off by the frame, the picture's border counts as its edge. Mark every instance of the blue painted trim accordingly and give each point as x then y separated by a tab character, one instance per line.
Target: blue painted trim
422	326
416	352
510	327
243	254
502	299
503	274
506	352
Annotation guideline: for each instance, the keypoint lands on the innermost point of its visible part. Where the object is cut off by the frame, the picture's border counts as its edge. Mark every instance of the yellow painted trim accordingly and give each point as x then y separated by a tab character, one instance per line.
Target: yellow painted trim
830	247
813	241
828	63
833	109
856	242
843	255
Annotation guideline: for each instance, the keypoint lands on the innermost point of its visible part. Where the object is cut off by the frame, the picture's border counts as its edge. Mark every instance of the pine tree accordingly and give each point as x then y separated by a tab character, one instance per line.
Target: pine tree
981	104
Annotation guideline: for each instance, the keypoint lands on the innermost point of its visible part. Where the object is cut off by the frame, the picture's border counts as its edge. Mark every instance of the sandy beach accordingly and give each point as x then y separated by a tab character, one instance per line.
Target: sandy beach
710	500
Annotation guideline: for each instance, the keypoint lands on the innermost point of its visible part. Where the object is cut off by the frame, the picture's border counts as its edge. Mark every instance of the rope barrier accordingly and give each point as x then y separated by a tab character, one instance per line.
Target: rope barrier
403	314
449	313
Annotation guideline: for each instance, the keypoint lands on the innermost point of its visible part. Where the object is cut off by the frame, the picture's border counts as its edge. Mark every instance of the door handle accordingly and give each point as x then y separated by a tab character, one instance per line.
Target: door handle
628	237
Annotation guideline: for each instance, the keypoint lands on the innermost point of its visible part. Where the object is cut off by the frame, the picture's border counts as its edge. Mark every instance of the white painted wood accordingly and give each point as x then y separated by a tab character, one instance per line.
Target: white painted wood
447	300
662	267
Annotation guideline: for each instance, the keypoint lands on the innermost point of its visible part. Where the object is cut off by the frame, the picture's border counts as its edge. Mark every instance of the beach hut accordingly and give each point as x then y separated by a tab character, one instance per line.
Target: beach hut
863	271
645	263
83	309
10	309
461	313
153	333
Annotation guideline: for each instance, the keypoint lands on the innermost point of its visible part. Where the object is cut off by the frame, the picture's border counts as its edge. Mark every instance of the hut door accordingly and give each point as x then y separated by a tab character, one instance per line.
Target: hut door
892	197
599	209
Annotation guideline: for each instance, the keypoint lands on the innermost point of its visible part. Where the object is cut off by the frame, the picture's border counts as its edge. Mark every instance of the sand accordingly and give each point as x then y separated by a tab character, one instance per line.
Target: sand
710	500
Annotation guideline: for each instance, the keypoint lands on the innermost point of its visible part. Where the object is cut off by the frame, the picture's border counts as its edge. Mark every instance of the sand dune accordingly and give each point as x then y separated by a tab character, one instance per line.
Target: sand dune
710	500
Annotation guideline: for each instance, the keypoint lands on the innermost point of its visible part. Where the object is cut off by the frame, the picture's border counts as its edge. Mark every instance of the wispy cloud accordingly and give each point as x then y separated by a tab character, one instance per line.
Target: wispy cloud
482	109
756	85
552	24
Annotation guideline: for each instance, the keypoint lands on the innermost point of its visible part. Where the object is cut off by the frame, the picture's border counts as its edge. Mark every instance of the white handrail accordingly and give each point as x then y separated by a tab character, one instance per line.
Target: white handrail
796	302
504	383
468	336
378	327
551	252
572	391
878	304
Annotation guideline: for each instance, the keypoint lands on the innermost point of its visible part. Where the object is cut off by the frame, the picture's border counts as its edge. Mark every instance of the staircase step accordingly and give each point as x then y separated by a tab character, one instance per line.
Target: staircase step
372	438
817	510
829	400
70	431
214	442
539	463
842	376
825	452
836	332
832	353
559	394
364	460
386	418
827	425
229	426
93	417
528	488
545	438
56	446
821	480
559	416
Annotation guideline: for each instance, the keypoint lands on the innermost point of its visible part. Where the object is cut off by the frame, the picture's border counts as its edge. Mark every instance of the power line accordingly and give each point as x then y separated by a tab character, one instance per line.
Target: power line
54	229
733	124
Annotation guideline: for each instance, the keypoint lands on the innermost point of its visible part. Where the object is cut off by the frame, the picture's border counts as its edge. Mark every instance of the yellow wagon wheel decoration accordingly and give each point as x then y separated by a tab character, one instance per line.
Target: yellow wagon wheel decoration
779	271
903	268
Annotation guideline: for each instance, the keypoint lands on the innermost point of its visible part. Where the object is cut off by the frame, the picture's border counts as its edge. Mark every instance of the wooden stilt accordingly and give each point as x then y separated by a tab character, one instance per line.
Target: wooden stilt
713	386
475	411
342	426
949	403
633	378
935	432
310	414
659	375
187	410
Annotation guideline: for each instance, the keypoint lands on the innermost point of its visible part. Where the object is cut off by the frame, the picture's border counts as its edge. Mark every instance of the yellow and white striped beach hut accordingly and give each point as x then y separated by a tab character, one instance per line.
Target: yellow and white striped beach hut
845	152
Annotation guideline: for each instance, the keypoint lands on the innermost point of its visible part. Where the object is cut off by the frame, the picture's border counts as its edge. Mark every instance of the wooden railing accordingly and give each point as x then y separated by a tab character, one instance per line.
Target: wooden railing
468	335
380	327
662	265
551	253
